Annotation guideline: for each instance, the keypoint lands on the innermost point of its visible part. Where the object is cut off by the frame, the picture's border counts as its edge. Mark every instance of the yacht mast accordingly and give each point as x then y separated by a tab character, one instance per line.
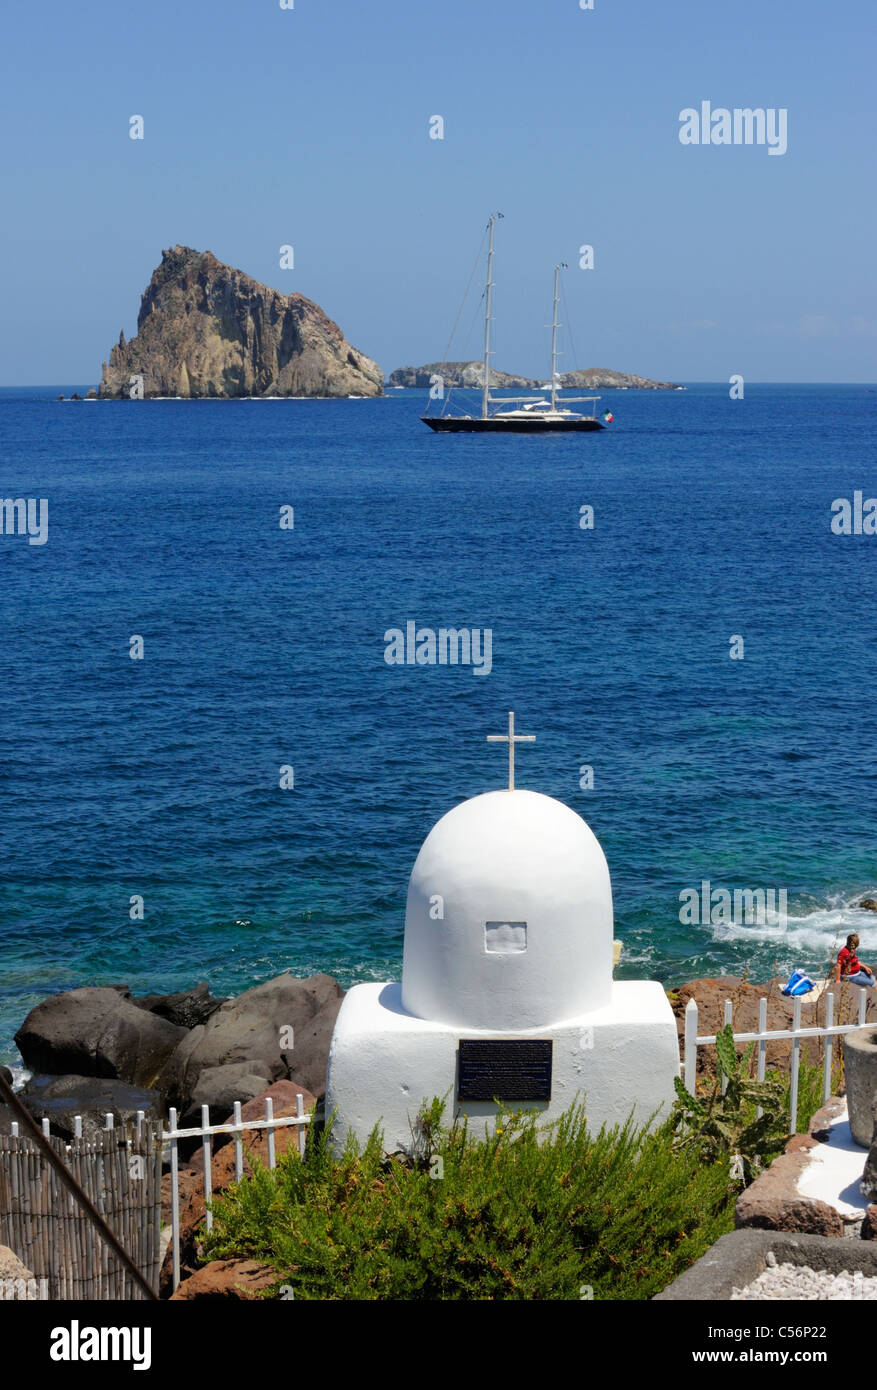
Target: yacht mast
485	389
554	328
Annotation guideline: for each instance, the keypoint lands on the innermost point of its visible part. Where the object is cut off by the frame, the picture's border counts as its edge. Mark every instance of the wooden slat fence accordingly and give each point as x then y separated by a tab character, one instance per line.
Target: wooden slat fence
121	1172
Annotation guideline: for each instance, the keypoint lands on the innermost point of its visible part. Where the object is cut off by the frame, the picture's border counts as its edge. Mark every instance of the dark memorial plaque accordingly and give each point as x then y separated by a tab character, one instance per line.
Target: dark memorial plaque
500	1069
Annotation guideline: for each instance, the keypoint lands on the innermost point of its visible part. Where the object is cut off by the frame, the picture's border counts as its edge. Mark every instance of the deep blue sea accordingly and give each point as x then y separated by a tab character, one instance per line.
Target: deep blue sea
264	647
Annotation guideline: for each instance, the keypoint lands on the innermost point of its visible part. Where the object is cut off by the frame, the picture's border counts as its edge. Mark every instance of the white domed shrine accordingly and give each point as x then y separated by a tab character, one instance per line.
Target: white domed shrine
507	991
509	917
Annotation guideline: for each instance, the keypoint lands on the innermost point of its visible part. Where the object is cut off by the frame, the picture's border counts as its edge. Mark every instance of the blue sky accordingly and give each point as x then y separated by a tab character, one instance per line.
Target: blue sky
309	127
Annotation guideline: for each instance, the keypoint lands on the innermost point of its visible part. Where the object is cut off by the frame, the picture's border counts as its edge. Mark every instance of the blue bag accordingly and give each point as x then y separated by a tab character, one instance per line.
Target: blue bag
798	983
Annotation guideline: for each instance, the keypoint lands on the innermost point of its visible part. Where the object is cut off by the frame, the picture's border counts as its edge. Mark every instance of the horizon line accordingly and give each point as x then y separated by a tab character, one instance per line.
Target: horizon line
691	381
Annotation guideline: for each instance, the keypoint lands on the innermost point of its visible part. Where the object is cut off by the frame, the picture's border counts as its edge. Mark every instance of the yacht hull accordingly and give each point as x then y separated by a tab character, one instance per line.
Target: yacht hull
454	424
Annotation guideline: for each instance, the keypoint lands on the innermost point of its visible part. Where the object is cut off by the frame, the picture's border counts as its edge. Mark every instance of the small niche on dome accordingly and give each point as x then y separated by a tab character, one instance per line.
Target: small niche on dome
502	938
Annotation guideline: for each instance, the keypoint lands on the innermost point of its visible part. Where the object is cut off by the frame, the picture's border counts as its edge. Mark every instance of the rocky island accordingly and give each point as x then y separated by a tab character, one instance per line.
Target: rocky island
470	374
208	330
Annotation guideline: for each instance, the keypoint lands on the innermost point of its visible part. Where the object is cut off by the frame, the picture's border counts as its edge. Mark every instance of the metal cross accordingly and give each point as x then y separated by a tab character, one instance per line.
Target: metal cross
511	738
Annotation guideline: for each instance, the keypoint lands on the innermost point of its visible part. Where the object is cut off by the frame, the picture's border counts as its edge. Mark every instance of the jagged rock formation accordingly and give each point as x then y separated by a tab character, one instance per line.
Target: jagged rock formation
205	329
470	374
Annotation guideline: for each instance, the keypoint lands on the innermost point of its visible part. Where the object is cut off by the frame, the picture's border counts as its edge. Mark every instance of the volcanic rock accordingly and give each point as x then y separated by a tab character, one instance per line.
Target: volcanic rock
60	1098
606	379
186	1009
459	374
241	1279
96	1032
773	1202
283	1095
219	1087
282	1028
206	329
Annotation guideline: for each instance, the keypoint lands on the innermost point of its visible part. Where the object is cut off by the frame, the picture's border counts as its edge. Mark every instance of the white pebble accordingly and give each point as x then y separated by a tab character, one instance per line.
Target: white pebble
787	1281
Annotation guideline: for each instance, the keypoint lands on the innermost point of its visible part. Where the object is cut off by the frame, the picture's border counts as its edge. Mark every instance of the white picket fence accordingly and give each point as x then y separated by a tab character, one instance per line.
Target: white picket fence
170	1140
205	1132
796	1034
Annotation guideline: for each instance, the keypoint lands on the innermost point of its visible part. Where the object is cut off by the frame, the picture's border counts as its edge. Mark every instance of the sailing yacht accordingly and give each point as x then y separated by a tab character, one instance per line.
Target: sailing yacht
536	414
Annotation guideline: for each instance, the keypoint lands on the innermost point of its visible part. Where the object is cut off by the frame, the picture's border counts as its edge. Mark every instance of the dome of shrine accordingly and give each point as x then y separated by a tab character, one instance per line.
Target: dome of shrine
509	919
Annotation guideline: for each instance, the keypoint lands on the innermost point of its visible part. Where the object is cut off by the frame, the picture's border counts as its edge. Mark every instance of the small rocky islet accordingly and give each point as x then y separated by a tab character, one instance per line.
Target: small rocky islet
470	375
207	330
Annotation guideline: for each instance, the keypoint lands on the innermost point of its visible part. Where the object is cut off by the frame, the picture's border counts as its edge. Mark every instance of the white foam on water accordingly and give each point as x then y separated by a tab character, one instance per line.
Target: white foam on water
820	933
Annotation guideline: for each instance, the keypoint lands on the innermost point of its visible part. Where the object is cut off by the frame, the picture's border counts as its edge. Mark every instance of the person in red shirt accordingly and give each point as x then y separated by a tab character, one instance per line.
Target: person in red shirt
849	967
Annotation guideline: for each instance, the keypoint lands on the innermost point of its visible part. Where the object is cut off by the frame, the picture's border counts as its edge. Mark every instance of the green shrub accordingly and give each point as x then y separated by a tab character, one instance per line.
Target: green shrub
724	1124
523	1214
727	1125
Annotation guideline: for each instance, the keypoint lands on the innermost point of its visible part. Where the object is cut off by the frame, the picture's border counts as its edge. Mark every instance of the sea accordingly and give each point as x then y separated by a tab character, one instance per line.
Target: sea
697	667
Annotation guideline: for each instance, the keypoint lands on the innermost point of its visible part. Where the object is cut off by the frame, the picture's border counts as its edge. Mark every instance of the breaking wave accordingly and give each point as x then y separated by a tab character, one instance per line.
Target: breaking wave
815	932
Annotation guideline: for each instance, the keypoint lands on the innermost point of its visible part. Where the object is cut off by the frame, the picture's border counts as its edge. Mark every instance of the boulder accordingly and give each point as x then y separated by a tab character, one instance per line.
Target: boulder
773	1202
282	1028
219	1087
97	1032
61	1098
869	1225
870	904
7	1114
282	1093
185	1010
240	1279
